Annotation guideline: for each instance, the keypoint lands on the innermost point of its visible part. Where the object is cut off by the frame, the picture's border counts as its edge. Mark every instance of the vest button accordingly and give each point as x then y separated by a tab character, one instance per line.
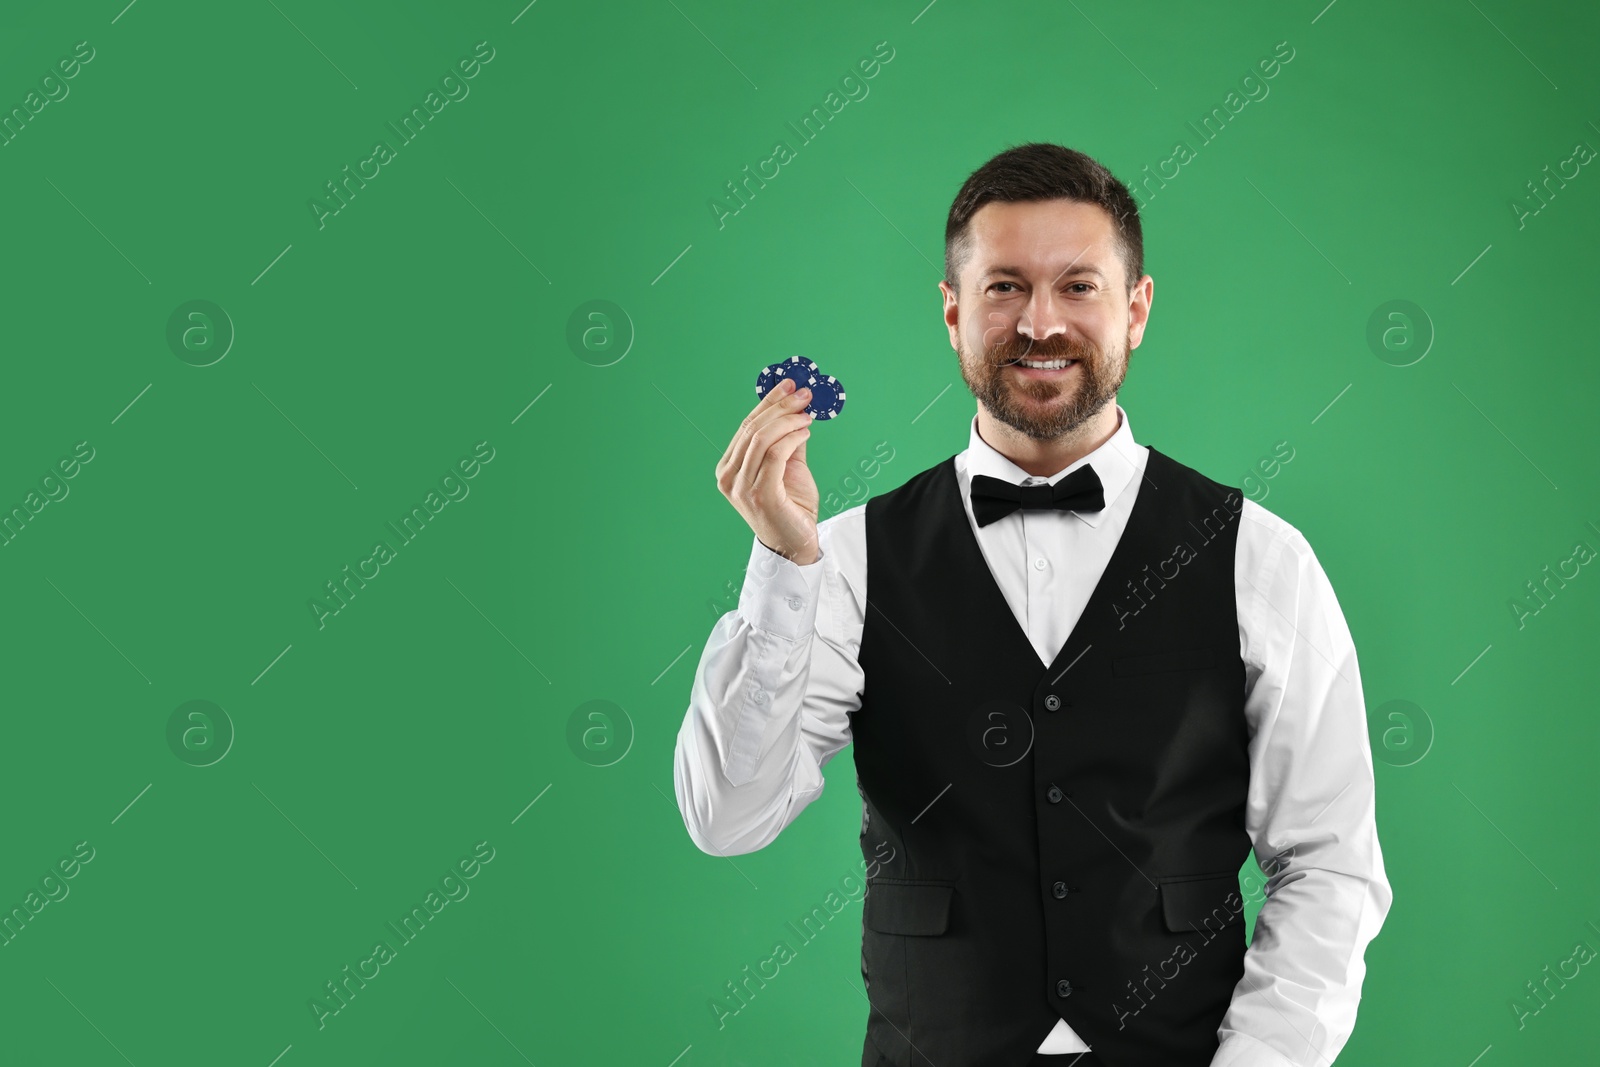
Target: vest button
1052	702
1054	795
1063	988
1060	890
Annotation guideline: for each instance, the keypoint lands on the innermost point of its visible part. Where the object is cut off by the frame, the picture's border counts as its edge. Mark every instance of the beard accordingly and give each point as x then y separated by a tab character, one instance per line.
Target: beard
1038	408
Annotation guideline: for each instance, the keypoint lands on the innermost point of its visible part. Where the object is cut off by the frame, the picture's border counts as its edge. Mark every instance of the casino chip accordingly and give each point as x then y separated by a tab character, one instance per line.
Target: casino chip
801	369
827	397
827	393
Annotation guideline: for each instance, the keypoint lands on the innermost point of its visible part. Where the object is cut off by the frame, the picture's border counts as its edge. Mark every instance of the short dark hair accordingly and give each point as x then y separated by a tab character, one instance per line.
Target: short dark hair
1041	171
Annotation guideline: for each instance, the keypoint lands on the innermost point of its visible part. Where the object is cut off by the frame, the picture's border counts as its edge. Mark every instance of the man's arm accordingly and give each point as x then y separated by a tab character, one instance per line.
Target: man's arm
1310	813
772	695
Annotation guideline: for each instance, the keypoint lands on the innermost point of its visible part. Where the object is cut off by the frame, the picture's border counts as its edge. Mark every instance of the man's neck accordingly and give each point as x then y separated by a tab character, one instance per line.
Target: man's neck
1045	458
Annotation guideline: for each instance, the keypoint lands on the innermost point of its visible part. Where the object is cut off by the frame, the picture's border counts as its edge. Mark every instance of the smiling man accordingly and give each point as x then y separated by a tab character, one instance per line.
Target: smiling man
1082	681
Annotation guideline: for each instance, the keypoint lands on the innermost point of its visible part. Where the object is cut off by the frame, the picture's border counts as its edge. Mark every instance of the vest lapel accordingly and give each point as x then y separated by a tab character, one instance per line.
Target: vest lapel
972	561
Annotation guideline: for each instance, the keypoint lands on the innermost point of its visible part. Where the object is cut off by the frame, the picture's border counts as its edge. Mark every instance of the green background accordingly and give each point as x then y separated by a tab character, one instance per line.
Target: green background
592	555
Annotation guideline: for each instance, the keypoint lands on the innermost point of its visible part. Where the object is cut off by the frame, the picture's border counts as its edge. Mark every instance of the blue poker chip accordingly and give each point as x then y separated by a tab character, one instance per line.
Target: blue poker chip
827	397
801	369
827	392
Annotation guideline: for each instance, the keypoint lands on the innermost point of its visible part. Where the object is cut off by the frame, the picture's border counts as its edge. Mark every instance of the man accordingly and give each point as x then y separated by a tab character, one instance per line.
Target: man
1082	681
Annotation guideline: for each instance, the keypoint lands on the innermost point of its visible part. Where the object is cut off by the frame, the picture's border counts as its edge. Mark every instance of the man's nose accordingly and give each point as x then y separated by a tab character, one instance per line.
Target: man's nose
1044	317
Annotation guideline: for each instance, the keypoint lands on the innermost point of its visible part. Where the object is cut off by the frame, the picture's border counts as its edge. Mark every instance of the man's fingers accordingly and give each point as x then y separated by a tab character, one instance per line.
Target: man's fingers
795	401
767	484
774	395
736	446
735	449
780	400
757	456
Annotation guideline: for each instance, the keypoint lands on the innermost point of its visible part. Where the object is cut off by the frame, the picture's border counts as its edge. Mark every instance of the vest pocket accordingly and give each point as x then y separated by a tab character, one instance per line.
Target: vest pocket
892	908
908	907
1201	902
1187	659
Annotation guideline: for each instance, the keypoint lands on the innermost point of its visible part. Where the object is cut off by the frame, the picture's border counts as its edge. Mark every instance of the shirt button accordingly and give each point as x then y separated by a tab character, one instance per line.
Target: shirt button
1054	795
795	603
1039	564
1059	889
760	696
1052	703
1063	988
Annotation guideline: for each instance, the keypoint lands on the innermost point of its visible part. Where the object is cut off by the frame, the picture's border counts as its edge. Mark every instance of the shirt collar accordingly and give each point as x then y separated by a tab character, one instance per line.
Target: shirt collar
1115	462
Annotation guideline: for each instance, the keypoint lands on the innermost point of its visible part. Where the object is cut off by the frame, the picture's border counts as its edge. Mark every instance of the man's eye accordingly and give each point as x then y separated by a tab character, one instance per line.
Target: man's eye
1082	286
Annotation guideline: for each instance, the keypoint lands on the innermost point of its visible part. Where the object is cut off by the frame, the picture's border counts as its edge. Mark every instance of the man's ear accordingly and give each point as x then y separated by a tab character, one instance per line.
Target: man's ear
952	313
1139	302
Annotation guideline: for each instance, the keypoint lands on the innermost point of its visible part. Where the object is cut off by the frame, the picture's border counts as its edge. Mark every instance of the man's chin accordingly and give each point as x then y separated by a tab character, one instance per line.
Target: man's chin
1046	394
1033	429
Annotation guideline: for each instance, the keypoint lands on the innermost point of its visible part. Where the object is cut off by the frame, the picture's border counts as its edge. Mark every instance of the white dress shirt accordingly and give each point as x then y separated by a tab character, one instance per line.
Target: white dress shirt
779	677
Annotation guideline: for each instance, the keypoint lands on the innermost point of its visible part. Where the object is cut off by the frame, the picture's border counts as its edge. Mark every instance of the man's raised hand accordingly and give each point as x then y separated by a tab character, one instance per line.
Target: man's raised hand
764	474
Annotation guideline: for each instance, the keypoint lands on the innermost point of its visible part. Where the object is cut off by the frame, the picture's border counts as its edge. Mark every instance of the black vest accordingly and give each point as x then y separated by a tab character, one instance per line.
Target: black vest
1066	841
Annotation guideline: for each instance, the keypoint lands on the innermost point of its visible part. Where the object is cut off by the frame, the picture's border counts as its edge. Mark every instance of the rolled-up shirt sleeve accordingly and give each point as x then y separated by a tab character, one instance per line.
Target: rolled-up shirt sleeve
770	701
1310	816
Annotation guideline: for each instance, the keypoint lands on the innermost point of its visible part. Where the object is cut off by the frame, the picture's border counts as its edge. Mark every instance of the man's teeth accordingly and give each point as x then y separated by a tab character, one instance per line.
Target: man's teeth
1048	364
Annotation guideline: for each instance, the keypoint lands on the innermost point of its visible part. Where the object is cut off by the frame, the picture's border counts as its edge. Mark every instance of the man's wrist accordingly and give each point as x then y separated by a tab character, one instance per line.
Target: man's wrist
814	550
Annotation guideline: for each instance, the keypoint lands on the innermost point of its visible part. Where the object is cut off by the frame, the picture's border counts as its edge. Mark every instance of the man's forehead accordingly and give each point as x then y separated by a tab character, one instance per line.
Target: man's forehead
1013	216
1047	234
1074	268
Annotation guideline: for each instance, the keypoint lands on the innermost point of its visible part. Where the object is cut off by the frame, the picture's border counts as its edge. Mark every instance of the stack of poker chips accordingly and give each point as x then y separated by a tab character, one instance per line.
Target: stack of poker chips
827	392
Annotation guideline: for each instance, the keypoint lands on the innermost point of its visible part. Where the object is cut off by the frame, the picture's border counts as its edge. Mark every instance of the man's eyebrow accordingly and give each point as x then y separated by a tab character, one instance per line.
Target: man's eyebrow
1016	272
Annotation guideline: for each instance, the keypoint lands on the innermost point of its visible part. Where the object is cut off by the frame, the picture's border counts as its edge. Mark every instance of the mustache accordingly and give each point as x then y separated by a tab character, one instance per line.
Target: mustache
1056	347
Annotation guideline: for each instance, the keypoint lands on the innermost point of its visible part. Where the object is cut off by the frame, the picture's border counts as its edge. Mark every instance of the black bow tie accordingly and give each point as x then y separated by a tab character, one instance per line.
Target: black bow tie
995	498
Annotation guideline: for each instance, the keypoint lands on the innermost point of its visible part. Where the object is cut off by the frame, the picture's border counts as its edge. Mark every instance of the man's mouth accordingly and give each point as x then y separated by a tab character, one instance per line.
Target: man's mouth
1045	364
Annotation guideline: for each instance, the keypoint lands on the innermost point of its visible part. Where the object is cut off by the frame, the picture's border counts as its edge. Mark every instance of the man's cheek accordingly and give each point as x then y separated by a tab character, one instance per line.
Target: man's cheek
998	331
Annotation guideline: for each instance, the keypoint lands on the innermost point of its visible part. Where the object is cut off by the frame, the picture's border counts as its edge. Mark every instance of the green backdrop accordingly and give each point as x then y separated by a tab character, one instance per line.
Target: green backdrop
527	318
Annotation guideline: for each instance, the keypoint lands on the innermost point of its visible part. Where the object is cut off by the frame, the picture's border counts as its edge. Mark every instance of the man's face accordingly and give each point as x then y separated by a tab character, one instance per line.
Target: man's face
1044	284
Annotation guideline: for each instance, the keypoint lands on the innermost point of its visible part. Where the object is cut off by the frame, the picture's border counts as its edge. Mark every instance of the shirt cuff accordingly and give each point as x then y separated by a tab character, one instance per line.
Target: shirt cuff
1242	1050
779	596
